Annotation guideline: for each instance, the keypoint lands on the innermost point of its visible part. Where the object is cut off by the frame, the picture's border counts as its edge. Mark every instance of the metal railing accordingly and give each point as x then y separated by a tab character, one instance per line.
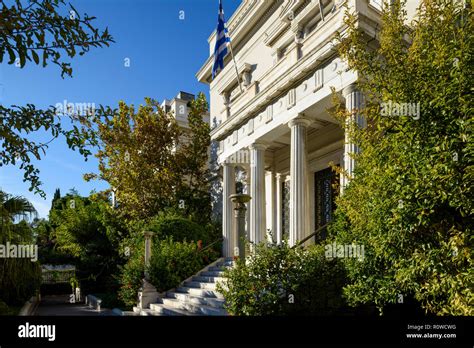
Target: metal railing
304	240
210	245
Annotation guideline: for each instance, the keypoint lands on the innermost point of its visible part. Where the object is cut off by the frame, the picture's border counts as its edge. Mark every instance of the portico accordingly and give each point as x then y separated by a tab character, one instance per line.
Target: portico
280	119
286	157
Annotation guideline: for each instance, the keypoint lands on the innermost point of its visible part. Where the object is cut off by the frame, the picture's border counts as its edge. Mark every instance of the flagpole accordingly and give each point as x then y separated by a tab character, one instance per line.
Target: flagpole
235	65
228	41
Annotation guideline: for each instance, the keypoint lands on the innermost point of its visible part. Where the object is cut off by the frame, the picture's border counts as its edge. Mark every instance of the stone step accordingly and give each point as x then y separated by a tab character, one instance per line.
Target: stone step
200	292
212	274
163	309
225	264
216	269
198	309
204	279
207	301
147	312
199	285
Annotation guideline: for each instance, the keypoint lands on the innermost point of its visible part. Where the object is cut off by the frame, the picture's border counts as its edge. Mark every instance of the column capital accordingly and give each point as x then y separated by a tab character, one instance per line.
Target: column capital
148	234
281	176
226	163
258	146
350	89
300	120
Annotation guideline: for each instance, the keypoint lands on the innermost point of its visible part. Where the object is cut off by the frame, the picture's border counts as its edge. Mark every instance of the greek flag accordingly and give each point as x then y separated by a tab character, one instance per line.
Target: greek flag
222	40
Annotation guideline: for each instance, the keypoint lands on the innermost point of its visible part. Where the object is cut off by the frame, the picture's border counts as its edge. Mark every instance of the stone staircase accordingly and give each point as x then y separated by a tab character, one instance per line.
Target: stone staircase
195	296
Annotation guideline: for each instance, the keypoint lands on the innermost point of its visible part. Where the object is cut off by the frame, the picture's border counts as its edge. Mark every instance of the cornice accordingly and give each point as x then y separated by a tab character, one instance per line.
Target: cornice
280	87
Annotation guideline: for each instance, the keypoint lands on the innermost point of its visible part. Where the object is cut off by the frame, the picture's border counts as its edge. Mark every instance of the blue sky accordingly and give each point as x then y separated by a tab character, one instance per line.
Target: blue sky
164	51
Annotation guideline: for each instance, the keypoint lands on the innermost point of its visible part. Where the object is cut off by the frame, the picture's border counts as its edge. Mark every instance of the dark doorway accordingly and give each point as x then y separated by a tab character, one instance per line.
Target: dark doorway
285	209
326	190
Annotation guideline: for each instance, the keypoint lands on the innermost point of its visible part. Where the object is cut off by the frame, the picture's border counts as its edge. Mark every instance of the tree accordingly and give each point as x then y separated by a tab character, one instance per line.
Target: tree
56	197
14	206
410	199
11	208
84	230
151	163
19	277
42	32
193	158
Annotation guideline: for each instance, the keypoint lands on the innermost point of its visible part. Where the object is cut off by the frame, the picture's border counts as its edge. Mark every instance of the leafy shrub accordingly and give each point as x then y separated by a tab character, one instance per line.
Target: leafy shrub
109	300
279	280
131	276
172	262
175	255
410	199
19	280
181	229
86	234
4	309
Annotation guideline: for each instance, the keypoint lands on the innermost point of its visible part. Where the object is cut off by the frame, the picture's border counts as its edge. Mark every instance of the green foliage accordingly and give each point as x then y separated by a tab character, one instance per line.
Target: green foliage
12	207
74	283
8	310
153	164
181	229
19	278
38	27
57	196
110	300
85	232
279	280
172	262
410	201
193	158
30	29
131	276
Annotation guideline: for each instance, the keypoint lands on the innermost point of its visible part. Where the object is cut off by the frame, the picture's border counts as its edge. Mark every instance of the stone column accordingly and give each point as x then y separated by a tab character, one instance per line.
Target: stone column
280	179
299	198
240	212
147	293
148	241
272	206
228	188
354	101
257	192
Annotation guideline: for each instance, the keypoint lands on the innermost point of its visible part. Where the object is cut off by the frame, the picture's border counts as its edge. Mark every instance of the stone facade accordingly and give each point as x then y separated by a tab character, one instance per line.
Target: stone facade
286	56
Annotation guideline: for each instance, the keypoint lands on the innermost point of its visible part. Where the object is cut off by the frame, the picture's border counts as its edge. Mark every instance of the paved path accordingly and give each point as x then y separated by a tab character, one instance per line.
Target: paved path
54	305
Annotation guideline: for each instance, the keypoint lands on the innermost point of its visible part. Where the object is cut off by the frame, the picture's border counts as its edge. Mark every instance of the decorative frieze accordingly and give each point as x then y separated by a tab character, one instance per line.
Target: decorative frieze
291	98
318	80
235	137
250	126
269	113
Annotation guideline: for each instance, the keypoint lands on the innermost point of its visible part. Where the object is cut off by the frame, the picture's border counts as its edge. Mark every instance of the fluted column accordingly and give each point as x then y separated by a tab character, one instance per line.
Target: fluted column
228	233
257	192
354	102
299	197
280	179
272	206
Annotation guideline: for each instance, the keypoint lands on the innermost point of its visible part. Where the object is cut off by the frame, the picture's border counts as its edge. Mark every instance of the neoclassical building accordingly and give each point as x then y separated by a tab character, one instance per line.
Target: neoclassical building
276	132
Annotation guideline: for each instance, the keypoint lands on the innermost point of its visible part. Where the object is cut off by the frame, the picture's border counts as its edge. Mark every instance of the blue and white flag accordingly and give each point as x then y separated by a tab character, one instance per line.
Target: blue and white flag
222	41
